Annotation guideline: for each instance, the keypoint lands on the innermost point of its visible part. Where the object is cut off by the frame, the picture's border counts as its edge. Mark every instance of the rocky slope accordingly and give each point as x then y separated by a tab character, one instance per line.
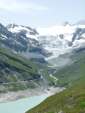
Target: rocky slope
22	40
17	73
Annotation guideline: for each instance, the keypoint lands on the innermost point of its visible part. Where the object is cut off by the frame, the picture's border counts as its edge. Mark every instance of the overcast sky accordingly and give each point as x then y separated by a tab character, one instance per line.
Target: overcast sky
39	13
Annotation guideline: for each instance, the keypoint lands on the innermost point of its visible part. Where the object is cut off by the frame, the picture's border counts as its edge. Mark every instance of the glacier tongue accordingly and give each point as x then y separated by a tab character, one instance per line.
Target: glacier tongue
54	45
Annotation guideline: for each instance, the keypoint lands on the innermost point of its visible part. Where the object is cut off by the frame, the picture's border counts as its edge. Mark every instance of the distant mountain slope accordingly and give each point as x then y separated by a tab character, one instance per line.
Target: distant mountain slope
16	72
19	73
22	40
72	72
72	99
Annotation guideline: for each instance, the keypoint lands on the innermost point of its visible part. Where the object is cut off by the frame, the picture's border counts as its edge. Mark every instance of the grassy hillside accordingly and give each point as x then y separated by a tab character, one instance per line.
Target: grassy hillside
71	73
16	72
71	100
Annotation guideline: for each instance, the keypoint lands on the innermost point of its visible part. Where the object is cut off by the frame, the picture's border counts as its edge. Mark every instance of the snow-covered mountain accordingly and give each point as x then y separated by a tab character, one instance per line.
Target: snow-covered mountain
43	43
30	32
62	38
22	40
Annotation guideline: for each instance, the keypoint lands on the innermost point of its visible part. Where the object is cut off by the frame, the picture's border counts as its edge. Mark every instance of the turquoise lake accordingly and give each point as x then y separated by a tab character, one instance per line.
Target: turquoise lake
22	105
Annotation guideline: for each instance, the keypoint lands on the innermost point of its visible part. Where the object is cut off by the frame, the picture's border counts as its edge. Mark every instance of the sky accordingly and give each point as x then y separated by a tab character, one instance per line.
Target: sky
41	13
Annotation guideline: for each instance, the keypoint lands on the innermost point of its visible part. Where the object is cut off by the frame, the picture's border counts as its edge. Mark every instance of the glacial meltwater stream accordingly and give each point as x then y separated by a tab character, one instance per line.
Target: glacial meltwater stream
22	105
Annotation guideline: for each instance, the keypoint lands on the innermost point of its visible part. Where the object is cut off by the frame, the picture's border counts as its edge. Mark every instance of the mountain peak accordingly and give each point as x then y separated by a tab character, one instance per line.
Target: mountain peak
66	23
11	25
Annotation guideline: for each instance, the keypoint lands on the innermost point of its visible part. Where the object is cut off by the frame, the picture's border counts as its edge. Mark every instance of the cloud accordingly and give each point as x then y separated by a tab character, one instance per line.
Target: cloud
20	6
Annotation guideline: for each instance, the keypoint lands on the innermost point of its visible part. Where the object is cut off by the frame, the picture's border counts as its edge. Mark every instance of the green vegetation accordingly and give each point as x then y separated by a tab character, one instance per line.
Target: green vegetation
72	99
71	73
16	72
